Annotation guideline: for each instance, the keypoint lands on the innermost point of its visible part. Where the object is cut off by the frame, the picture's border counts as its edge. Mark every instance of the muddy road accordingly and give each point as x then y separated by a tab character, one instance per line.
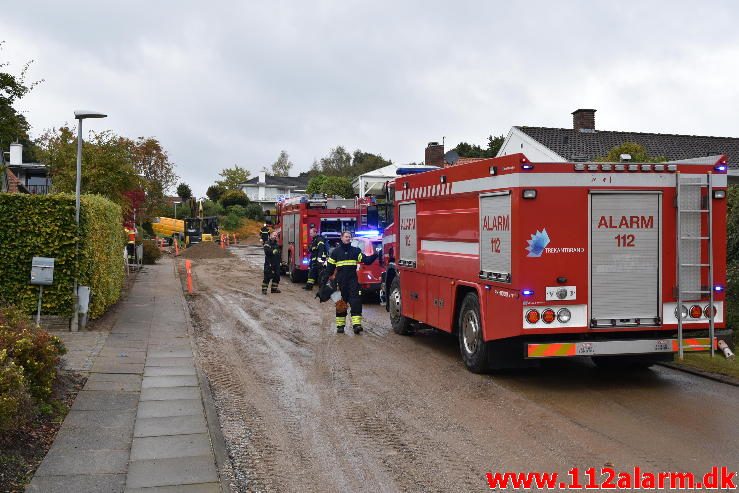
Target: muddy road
305	409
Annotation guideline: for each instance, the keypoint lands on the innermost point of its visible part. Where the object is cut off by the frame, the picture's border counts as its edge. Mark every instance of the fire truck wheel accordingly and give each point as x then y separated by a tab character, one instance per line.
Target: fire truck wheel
296	275
475	351
401	325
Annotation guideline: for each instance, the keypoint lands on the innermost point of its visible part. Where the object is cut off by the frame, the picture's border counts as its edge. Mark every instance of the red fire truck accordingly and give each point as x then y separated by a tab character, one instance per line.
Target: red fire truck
623	262
330	217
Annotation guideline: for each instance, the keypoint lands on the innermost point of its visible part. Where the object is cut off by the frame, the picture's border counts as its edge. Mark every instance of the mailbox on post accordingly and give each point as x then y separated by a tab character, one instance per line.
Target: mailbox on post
42	271
42	274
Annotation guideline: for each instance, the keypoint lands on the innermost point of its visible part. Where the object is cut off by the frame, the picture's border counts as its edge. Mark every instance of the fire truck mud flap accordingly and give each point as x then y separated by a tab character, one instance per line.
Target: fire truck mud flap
614	348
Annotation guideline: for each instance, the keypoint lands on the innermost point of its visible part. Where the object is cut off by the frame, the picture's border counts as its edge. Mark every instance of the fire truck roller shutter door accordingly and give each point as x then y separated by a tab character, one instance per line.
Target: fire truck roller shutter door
408	234
495	235
625	249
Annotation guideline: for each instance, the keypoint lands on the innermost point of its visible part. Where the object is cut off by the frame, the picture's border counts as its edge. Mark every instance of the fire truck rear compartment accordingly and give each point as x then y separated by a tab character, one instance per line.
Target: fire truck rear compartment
625	259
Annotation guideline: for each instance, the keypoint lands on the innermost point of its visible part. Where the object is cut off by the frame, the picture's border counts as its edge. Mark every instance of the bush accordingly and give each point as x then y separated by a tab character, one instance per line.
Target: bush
211	208
232	222
151	252
44	225
32	349
255	212
14	398
234	197
238	210
215	192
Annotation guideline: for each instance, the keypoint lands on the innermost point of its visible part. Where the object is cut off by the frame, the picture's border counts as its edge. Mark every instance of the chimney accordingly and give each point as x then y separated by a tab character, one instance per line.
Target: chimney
584	120
262	177
16	154
434	154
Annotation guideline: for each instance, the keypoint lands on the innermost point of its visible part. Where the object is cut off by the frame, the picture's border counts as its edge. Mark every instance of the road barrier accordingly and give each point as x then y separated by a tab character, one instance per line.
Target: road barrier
188	270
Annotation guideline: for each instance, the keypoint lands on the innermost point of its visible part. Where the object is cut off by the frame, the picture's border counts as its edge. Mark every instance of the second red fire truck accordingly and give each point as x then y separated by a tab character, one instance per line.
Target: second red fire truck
623	262
329	216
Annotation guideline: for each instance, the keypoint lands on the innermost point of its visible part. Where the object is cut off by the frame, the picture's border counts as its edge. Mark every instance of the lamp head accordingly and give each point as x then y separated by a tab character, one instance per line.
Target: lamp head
82	114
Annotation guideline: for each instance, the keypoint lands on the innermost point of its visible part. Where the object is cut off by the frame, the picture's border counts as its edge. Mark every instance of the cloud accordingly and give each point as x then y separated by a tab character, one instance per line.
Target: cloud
236	82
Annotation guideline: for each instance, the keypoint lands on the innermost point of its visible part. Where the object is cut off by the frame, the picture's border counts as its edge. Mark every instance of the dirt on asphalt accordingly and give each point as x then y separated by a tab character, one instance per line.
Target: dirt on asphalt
305	409
205	250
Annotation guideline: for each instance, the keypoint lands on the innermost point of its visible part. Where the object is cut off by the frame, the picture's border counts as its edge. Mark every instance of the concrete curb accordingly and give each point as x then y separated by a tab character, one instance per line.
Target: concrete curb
217	440
710	376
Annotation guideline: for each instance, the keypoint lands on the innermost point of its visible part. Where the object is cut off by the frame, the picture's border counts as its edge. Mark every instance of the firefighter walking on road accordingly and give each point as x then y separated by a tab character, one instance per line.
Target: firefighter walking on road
344	260
318	254
271	264
264	233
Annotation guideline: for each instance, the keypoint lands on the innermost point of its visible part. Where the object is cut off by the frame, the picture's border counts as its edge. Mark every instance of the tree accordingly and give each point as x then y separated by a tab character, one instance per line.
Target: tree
233	177
337	163
473	150
13	125
364	162
494	145
107	168
151	161
255	212
637	152
315	184
234	197
337	186
183	191
283	165
214	192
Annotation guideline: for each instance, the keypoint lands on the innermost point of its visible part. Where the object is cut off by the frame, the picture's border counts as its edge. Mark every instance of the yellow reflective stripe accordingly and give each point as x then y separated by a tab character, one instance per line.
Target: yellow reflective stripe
356	320
332	261
359	259
342	263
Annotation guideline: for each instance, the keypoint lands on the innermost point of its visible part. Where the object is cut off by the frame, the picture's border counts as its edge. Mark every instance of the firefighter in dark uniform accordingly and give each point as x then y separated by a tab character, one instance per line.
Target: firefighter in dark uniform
264	233
344	260
271	264
318	254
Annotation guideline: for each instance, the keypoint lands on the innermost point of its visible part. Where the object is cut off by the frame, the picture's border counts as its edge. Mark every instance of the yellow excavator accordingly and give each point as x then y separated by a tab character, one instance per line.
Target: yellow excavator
192	229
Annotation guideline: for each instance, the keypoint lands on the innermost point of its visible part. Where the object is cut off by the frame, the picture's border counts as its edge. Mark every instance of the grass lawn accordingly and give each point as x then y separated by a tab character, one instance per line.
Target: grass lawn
717	364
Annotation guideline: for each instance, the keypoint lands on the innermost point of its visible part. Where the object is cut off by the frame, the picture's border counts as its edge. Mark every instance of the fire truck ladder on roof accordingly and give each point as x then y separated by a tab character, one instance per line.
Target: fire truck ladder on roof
691	208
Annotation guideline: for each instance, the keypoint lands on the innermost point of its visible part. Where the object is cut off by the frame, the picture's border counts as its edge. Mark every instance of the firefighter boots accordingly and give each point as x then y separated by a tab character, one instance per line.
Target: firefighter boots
358	329
308	287
275	290
340	329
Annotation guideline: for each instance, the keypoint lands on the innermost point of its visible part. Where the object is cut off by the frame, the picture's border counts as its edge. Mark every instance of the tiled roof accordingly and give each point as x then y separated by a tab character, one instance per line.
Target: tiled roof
574	145
300	182
463	160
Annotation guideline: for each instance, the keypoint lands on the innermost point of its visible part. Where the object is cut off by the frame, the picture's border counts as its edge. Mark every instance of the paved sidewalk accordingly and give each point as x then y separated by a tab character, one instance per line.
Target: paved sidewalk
139	424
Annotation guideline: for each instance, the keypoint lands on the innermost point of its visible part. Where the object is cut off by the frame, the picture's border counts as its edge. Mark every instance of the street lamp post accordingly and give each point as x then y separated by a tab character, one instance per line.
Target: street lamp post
79	116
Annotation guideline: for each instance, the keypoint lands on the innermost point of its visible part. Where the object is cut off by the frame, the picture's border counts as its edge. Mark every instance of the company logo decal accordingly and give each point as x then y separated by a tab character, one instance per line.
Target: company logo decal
537	243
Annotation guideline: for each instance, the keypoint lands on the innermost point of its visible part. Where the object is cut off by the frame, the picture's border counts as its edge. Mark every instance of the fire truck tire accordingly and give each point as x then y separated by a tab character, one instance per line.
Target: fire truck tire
296	275
401	325
475	351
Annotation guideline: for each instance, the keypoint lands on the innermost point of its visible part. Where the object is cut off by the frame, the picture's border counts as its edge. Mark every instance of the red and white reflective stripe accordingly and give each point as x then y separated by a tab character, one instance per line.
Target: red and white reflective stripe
540	180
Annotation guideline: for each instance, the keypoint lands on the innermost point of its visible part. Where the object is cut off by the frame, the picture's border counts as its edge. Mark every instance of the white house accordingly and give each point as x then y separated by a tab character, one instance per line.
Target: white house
266	190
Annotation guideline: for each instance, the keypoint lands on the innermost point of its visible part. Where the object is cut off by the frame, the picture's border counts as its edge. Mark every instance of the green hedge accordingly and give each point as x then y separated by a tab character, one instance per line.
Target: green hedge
44	226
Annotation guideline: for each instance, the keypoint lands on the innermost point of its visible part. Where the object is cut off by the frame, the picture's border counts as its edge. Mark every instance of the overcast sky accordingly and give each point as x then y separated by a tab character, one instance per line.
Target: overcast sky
222	83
